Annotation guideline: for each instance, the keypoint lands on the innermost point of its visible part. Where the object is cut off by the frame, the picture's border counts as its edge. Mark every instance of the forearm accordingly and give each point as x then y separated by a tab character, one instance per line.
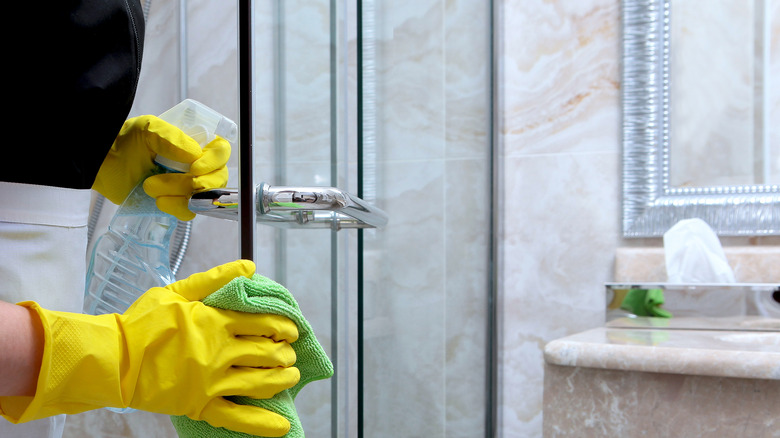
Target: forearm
21	344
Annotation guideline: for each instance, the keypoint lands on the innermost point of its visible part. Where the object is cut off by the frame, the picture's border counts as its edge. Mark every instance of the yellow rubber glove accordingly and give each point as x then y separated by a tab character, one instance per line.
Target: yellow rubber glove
168	353
131	159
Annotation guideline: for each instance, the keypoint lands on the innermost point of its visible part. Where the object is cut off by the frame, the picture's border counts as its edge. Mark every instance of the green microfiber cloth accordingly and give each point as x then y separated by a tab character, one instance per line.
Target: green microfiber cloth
262	295
645	302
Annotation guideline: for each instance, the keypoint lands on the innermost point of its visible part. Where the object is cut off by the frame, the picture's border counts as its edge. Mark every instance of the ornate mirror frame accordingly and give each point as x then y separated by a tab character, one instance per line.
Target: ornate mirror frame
650	204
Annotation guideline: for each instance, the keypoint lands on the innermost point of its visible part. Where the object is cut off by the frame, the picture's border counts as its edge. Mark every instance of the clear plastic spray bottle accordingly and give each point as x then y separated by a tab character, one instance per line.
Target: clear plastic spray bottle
133	255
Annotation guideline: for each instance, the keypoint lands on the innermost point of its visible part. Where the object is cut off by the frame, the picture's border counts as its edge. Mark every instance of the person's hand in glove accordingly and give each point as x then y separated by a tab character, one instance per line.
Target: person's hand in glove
131	159
168	353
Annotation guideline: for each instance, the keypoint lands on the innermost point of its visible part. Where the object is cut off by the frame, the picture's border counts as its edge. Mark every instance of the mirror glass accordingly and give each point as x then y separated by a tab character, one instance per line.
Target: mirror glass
701	115
724	92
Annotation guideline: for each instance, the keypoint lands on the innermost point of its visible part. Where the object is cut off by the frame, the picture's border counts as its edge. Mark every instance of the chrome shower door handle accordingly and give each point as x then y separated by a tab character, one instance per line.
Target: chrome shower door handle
294	207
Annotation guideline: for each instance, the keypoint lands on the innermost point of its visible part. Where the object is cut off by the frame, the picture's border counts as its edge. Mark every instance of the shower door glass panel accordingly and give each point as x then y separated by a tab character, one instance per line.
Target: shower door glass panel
389	100
426	160
417	145
302	139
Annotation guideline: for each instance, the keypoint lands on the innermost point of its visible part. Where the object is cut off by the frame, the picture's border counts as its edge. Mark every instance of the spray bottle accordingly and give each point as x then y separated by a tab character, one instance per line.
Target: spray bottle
133	255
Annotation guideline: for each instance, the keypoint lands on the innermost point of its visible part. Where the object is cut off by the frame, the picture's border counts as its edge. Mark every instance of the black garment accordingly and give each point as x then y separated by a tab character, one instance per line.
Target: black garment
71	71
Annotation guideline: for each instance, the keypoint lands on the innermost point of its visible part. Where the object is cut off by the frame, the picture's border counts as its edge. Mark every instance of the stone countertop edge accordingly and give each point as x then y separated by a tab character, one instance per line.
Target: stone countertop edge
593	349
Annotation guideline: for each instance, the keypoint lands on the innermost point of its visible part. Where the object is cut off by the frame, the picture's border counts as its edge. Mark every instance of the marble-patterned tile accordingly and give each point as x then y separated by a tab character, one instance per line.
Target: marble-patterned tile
467	79
211	57
556	255
305	80
751	264
467	264
408	291
157	88
560	76
409	79
583	402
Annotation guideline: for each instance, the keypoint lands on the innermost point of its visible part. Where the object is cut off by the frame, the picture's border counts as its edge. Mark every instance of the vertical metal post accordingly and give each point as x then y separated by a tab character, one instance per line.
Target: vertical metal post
496	174
280	130
334	242
246	186
360	301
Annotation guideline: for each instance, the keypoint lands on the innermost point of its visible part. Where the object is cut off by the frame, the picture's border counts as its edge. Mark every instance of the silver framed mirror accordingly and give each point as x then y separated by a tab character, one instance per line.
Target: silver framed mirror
651	205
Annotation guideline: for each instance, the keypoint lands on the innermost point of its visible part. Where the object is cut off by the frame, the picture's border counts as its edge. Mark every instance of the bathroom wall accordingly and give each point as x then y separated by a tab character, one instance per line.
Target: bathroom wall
560	136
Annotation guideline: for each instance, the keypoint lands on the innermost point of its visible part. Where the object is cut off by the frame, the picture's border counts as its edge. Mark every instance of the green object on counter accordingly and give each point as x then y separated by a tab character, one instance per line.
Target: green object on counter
645	302
262	295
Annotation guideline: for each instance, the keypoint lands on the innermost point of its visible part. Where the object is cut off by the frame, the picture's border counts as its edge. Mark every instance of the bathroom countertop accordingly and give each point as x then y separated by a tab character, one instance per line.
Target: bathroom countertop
720	353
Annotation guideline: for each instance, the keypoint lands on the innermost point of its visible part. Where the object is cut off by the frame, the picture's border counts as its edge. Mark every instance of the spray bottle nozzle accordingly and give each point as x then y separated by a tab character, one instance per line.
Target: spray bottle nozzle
201	123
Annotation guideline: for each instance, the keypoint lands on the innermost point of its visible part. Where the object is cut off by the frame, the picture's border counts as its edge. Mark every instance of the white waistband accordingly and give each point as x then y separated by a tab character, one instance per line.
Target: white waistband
44	205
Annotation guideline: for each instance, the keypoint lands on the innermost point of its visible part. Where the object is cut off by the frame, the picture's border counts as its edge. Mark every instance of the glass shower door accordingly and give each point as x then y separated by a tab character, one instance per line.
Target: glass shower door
390	101
426	292
303	137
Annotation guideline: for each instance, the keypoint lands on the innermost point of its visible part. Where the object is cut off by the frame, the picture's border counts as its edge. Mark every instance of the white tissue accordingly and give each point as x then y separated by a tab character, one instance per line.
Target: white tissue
694	254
